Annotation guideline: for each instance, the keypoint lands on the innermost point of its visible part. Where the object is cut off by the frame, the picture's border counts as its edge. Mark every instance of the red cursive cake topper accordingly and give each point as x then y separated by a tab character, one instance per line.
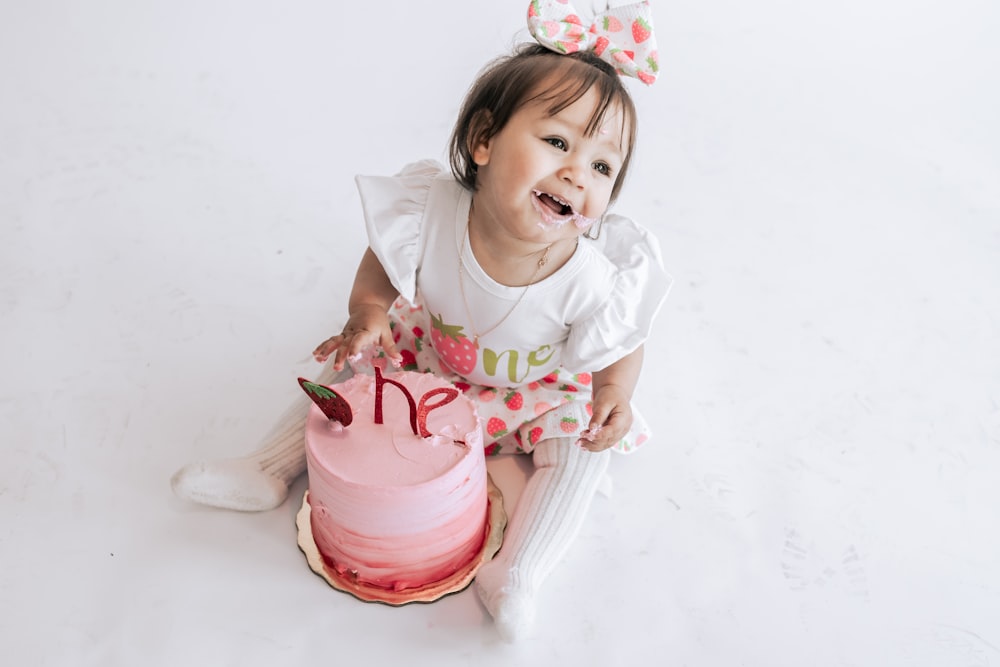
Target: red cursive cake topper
333	405
418	412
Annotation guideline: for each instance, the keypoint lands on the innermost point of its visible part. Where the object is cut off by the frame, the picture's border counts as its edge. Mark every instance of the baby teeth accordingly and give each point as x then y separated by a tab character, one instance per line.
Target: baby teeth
539	193
551	220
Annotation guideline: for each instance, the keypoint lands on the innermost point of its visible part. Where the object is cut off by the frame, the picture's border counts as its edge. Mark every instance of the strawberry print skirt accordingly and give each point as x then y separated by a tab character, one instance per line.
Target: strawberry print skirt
515	418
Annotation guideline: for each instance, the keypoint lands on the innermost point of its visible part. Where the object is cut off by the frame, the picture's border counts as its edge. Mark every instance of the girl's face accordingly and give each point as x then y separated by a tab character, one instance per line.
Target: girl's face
542	178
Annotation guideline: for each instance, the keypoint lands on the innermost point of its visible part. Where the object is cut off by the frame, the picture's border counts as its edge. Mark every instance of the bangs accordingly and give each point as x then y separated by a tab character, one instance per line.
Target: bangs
575	80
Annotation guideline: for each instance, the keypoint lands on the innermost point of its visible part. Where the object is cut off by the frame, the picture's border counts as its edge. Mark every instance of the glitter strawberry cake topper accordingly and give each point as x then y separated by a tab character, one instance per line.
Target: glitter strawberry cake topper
332	404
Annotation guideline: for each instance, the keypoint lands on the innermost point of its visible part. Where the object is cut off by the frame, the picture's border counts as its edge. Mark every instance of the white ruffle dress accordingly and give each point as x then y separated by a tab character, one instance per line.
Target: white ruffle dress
531	375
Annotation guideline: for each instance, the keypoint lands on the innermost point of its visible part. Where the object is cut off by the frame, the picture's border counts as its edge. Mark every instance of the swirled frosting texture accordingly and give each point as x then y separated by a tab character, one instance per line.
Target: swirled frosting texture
390	508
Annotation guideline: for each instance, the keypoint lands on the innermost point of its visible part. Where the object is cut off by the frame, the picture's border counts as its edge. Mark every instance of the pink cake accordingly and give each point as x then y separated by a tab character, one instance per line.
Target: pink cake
391	508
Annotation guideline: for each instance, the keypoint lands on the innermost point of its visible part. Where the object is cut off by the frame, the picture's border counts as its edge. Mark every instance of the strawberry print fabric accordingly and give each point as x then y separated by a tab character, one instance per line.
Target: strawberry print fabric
515	419
621	36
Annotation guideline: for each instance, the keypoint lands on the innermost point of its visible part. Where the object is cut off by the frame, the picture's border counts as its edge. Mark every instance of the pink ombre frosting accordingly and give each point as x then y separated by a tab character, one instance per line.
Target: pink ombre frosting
396	510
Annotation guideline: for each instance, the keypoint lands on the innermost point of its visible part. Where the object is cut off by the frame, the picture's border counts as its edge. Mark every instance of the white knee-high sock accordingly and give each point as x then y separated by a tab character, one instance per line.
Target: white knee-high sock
258	481
545	522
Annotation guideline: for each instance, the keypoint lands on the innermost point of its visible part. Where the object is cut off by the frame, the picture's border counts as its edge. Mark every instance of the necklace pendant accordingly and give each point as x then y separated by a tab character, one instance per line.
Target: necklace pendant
543	260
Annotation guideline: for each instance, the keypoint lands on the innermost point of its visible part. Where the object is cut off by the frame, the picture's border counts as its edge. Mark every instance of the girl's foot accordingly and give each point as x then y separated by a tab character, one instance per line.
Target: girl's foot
513	610
233	484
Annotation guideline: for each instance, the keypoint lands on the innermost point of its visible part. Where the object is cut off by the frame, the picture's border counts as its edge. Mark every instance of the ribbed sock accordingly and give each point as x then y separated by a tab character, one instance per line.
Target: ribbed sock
260	480
545	522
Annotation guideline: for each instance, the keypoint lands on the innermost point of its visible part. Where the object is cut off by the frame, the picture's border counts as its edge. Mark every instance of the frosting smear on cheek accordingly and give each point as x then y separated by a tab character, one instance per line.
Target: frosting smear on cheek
555	213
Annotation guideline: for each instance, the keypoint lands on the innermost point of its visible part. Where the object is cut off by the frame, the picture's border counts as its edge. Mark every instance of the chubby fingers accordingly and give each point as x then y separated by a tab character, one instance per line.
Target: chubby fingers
389	347
343	346
607	427
597	439
337	345
327	347
350	347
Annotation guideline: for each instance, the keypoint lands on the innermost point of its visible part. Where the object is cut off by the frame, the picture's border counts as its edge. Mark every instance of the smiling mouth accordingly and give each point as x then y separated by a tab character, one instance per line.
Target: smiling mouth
553	203
557	212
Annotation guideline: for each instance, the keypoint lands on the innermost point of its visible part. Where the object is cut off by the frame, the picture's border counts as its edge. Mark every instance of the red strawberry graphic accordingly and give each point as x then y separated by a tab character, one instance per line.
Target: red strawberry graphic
418	332
645	77
330	402
533	9
567	387
453	346
551	377
573	18
493	450
568	424
567	47
409	362
514	401
611	24
496	427
551	28
640	30
534	435
583	378
600	45
463	386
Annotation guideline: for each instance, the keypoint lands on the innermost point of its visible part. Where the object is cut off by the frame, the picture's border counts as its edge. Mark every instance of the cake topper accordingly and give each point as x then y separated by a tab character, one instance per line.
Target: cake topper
333	405
418	411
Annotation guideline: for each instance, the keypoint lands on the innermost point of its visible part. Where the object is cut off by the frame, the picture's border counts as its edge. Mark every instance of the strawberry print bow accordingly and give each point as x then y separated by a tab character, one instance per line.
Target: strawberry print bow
621	36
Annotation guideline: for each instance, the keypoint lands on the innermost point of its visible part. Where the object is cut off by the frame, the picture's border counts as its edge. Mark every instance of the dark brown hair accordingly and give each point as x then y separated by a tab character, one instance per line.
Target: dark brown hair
507	82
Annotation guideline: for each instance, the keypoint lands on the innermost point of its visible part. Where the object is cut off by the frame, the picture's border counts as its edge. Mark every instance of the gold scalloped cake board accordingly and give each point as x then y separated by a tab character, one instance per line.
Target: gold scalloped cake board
496	522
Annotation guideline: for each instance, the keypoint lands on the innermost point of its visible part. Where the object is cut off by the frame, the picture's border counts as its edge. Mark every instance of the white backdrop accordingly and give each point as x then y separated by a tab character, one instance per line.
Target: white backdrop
179	228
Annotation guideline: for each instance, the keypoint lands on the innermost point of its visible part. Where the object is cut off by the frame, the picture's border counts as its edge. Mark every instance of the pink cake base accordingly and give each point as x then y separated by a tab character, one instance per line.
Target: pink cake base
495	524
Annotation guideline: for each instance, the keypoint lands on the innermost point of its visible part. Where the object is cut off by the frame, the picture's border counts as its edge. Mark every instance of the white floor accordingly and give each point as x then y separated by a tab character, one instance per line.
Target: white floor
179	227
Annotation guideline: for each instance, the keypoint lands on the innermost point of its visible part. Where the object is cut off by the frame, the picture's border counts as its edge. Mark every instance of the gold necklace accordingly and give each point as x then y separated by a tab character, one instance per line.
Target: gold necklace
461	286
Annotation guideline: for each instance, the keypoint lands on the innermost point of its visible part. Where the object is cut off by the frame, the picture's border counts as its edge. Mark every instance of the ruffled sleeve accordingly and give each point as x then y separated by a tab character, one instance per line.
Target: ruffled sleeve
394	207
623	321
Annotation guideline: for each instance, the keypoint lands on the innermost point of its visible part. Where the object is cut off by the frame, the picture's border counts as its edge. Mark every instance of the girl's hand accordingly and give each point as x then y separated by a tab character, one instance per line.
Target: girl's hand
611	421
613	389
367	326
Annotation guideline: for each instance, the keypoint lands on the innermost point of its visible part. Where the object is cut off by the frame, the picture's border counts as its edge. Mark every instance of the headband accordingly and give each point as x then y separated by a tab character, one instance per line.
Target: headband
621	36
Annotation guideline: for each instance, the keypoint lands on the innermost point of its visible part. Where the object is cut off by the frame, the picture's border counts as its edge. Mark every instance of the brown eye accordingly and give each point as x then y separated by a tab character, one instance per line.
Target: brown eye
557	142
603	168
